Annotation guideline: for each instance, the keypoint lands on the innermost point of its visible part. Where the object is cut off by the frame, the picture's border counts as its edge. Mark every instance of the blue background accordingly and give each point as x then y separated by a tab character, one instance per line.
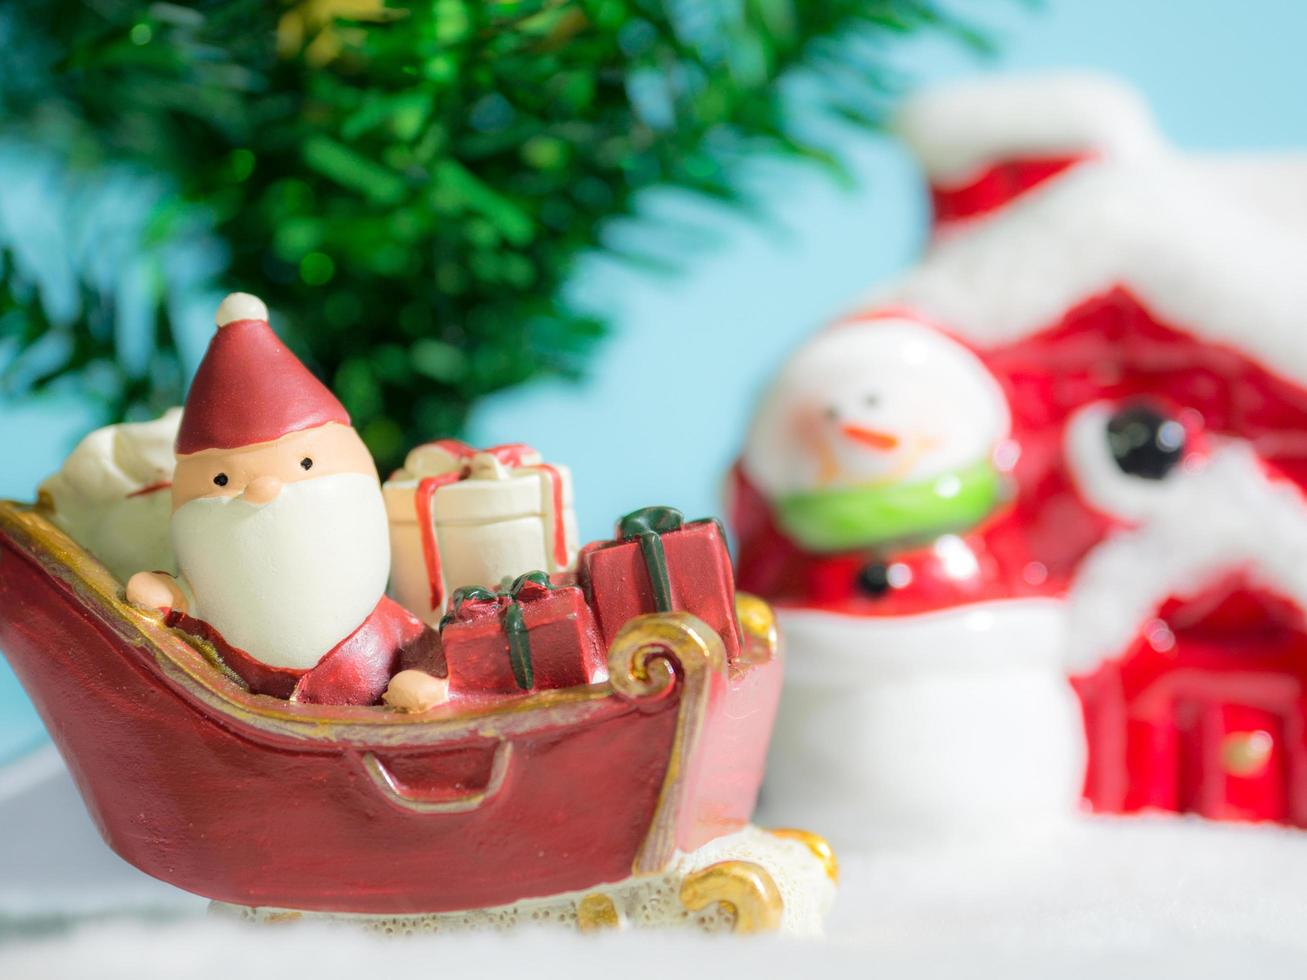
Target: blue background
661	415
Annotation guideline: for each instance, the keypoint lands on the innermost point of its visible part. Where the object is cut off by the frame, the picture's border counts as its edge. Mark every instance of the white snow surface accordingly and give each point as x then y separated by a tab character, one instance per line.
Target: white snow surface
1151	898
957	130
1225	267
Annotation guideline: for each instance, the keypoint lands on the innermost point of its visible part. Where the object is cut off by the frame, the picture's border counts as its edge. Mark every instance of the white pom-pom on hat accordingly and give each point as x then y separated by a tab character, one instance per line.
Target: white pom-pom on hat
240	306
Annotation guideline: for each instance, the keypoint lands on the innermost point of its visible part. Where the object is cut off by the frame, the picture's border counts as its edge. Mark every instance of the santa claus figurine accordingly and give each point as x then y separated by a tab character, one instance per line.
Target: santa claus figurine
280	535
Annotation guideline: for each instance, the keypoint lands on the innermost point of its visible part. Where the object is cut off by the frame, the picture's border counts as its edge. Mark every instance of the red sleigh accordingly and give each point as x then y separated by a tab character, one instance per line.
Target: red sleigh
263	803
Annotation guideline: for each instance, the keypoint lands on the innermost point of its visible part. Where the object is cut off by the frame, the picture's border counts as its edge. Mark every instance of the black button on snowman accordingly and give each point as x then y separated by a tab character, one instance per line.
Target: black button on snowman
874	579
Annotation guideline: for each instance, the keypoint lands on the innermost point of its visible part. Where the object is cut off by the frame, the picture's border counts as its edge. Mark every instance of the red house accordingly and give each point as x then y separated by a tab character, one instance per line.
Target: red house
1146	314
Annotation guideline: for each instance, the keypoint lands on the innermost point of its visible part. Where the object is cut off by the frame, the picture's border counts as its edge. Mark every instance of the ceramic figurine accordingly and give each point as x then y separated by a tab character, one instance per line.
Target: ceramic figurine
1141	310
466	517
112	494
583	748
279	530
876	434
873	480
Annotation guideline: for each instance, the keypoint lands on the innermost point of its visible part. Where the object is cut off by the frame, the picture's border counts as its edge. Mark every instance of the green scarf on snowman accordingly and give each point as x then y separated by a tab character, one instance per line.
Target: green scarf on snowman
868	516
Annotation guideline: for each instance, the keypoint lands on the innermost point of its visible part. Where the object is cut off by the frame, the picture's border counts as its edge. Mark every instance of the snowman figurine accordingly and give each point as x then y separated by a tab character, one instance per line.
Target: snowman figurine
924	691
876	435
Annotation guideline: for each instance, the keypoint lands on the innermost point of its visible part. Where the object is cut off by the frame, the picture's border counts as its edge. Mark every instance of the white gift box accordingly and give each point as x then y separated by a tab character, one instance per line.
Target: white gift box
466	517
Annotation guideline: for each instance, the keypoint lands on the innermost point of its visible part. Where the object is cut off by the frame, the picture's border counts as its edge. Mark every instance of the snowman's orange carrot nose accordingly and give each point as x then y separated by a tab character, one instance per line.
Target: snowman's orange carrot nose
874	438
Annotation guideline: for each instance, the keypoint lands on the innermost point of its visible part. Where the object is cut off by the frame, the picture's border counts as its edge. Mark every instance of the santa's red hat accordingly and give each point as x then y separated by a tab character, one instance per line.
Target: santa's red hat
250	388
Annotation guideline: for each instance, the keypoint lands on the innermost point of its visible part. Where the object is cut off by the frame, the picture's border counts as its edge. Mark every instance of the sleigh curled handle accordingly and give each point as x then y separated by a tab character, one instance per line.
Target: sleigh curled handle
653	653
416	800
651	656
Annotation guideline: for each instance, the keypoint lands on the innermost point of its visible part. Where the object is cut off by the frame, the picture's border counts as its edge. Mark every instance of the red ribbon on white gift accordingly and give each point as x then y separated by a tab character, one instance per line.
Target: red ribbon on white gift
513	455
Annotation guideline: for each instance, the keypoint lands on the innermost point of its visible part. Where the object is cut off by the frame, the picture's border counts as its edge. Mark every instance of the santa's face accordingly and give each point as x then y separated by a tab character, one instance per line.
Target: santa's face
873	404
258	473
284	545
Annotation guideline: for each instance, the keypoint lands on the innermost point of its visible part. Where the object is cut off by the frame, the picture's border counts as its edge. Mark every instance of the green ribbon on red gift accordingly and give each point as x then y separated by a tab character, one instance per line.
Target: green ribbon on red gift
510	618
647	526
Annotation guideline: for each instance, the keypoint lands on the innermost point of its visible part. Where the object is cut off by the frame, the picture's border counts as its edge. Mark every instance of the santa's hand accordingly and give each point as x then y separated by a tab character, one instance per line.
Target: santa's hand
415	690
155	591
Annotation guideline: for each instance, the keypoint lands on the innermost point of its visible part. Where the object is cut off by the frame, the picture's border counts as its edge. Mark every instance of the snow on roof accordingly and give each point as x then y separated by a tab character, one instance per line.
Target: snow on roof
1230	514
958	130
1221	266
1274	185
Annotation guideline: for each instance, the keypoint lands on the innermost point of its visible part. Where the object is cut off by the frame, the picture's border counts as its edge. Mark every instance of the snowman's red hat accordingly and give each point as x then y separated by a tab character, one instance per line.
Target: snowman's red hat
250	388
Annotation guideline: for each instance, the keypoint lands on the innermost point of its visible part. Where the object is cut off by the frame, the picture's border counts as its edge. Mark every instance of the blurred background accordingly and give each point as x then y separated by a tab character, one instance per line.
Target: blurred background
673	303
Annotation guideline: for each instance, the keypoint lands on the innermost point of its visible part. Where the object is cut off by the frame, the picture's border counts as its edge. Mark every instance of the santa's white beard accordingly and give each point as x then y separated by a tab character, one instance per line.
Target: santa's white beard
287	581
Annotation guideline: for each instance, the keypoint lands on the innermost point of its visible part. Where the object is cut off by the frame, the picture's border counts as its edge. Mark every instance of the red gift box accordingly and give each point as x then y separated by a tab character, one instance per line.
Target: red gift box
531	637
660	563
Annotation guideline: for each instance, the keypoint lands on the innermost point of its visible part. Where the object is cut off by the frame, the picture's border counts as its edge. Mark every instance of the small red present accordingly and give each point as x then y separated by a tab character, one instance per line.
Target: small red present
531	637
660	563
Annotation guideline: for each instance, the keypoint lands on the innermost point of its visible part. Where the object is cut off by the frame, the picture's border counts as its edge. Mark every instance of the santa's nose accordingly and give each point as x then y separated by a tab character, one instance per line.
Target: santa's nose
262	490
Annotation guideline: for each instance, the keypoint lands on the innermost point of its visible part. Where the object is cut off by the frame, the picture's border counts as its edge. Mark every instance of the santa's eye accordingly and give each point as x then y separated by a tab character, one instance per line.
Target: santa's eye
220	479
306	463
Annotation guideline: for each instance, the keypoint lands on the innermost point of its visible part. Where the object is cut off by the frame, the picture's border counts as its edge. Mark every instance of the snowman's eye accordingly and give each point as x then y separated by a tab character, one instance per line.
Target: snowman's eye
832	413
871	401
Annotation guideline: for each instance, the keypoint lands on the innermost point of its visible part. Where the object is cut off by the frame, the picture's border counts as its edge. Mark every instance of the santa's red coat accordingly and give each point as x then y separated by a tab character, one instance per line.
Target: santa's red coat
356	670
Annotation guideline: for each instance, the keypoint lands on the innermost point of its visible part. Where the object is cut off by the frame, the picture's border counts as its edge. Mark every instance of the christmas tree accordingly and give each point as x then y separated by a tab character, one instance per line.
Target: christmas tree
408	185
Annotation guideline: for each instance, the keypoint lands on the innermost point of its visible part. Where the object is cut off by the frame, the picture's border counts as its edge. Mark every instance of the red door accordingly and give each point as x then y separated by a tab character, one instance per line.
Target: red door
1232	761
1206	713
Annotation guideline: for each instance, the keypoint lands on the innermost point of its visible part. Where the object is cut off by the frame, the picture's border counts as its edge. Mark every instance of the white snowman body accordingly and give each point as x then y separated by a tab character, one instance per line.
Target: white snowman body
944	724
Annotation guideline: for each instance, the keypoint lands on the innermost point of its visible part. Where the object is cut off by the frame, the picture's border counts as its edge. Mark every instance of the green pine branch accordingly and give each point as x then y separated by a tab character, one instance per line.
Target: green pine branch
411	190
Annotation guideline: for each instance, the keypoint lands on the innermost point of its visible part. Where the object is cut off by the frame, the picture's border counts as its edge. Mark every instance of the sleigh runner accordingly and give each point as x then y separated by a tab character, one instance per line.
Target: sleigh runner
577	797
